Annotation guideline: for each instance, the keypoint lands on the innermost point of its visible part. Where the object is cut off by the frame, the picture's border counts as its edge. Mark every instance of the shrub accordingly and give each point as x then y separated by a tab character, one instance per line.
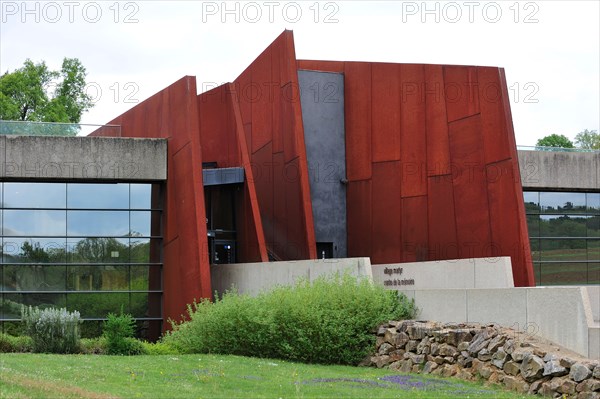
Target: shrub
158	348
118	332
329	321
12	344
92	346
52	330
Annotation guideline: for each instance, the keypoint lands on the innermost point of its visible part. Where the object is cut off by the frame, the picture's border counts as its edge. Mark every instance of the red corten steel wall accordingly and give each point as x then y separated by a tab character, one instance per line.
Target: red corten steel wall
173	114
224	142
269	103
432	164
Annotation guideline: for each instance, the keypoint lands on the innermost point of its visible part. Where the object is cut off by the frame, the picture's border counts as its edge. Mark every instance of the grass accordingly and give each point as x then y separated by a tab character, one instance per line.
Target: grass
210	376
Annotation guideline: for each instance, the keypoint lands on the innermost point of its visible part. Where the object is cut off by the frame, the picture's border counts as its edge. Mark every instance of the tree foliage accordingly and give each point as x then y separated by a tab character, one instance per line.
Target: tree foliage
37	94
555	140
588	139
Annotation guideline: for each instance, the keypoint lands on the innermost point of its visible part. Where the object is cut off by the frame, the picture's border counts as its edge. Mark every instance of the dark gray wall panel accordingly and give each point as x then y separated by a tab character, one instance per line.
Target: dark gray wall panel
322	99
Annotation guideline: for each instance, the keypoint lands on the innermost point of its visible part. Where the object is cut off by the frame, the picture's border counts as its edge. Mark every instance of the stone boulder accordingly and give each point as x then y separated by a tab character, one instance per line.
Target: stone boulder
532	368
580	372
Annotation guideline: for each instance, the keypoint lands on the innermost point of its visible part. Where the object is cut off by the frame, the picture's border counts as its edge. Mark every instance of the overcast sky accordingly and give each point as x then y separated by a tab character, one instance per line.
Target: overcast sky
132	49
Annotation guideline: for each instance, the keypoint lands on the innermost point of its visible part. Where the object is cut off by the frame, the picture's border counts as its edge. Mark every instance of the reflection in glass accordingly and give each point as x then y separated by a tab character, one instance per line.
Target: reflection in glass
97	223
533	225
593	226
98	250
98	278
34	278
34	195
33	223
98	305
141	196
535	249
98	196
12	303
532	202
33	250
145	250
564	273
563	225
594	249
593	203
145	304
552	202
140	223
593	273
563	250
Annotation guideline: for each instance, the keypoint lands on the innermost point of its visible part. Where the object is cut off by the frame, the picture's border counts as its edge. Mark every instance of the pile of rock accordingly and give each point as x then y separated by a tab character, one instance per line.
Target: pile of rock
471	351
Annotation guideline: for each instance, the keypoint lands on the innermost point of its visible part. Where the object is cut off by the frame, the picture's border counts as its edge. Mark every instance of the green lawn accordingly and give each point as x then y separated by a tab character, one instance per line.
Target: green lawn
208	376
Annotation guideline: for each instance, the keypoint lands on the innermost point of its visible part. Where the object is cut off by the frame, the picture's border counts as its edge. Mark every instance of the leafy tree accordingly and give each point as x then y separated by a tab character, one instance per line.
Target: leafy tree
35	93
588	139
555	140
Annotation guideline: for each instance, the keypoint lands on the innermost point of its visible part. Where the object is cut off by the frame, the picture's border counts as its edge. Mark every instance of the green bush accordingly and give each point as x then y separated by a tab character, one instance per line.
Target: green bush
52	330
329	321
118	332
12	344
158	348
92	346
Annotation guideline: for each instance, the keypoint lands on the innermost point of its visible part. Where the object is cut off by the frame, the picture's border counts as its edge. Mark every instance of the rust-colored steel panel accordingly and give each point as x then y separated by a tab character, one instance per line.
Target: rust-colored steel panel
387	212
357	101
217	134
385	108
438	150
493	121
259	128
325	66
359	207
470	188
173	114
443	243
262	101
415	247
413	134
500	180
461	91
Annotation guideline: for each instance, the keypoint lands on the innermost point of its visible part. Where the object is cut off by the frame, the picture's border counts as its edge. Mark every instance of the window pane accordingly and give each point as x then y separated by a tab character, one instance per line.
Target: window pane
98	278
563	226
537	273
145	278
594	250
91	328
593	226
532	202
98	196
34	195
562	202
535	249
145	305
34	278
33	250
563	250
593	203
98	250
13	302
140	223
533	225
564	273
141	196
145	250
594	273
98	305
97	223
34	223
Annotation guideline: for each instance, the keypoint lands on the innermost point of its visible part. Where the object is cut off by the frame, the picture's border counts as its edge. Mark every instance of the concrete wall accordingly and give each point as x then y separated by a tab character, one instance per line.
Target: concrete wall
563	315
252	278
69	158
322	99
560	170
459	273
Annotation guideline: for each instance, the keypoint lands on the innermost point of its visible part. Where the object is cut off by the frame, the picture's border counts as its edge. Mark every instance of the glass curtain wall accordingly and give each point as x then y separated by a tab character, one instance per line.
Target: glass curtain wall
94	248
564	229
